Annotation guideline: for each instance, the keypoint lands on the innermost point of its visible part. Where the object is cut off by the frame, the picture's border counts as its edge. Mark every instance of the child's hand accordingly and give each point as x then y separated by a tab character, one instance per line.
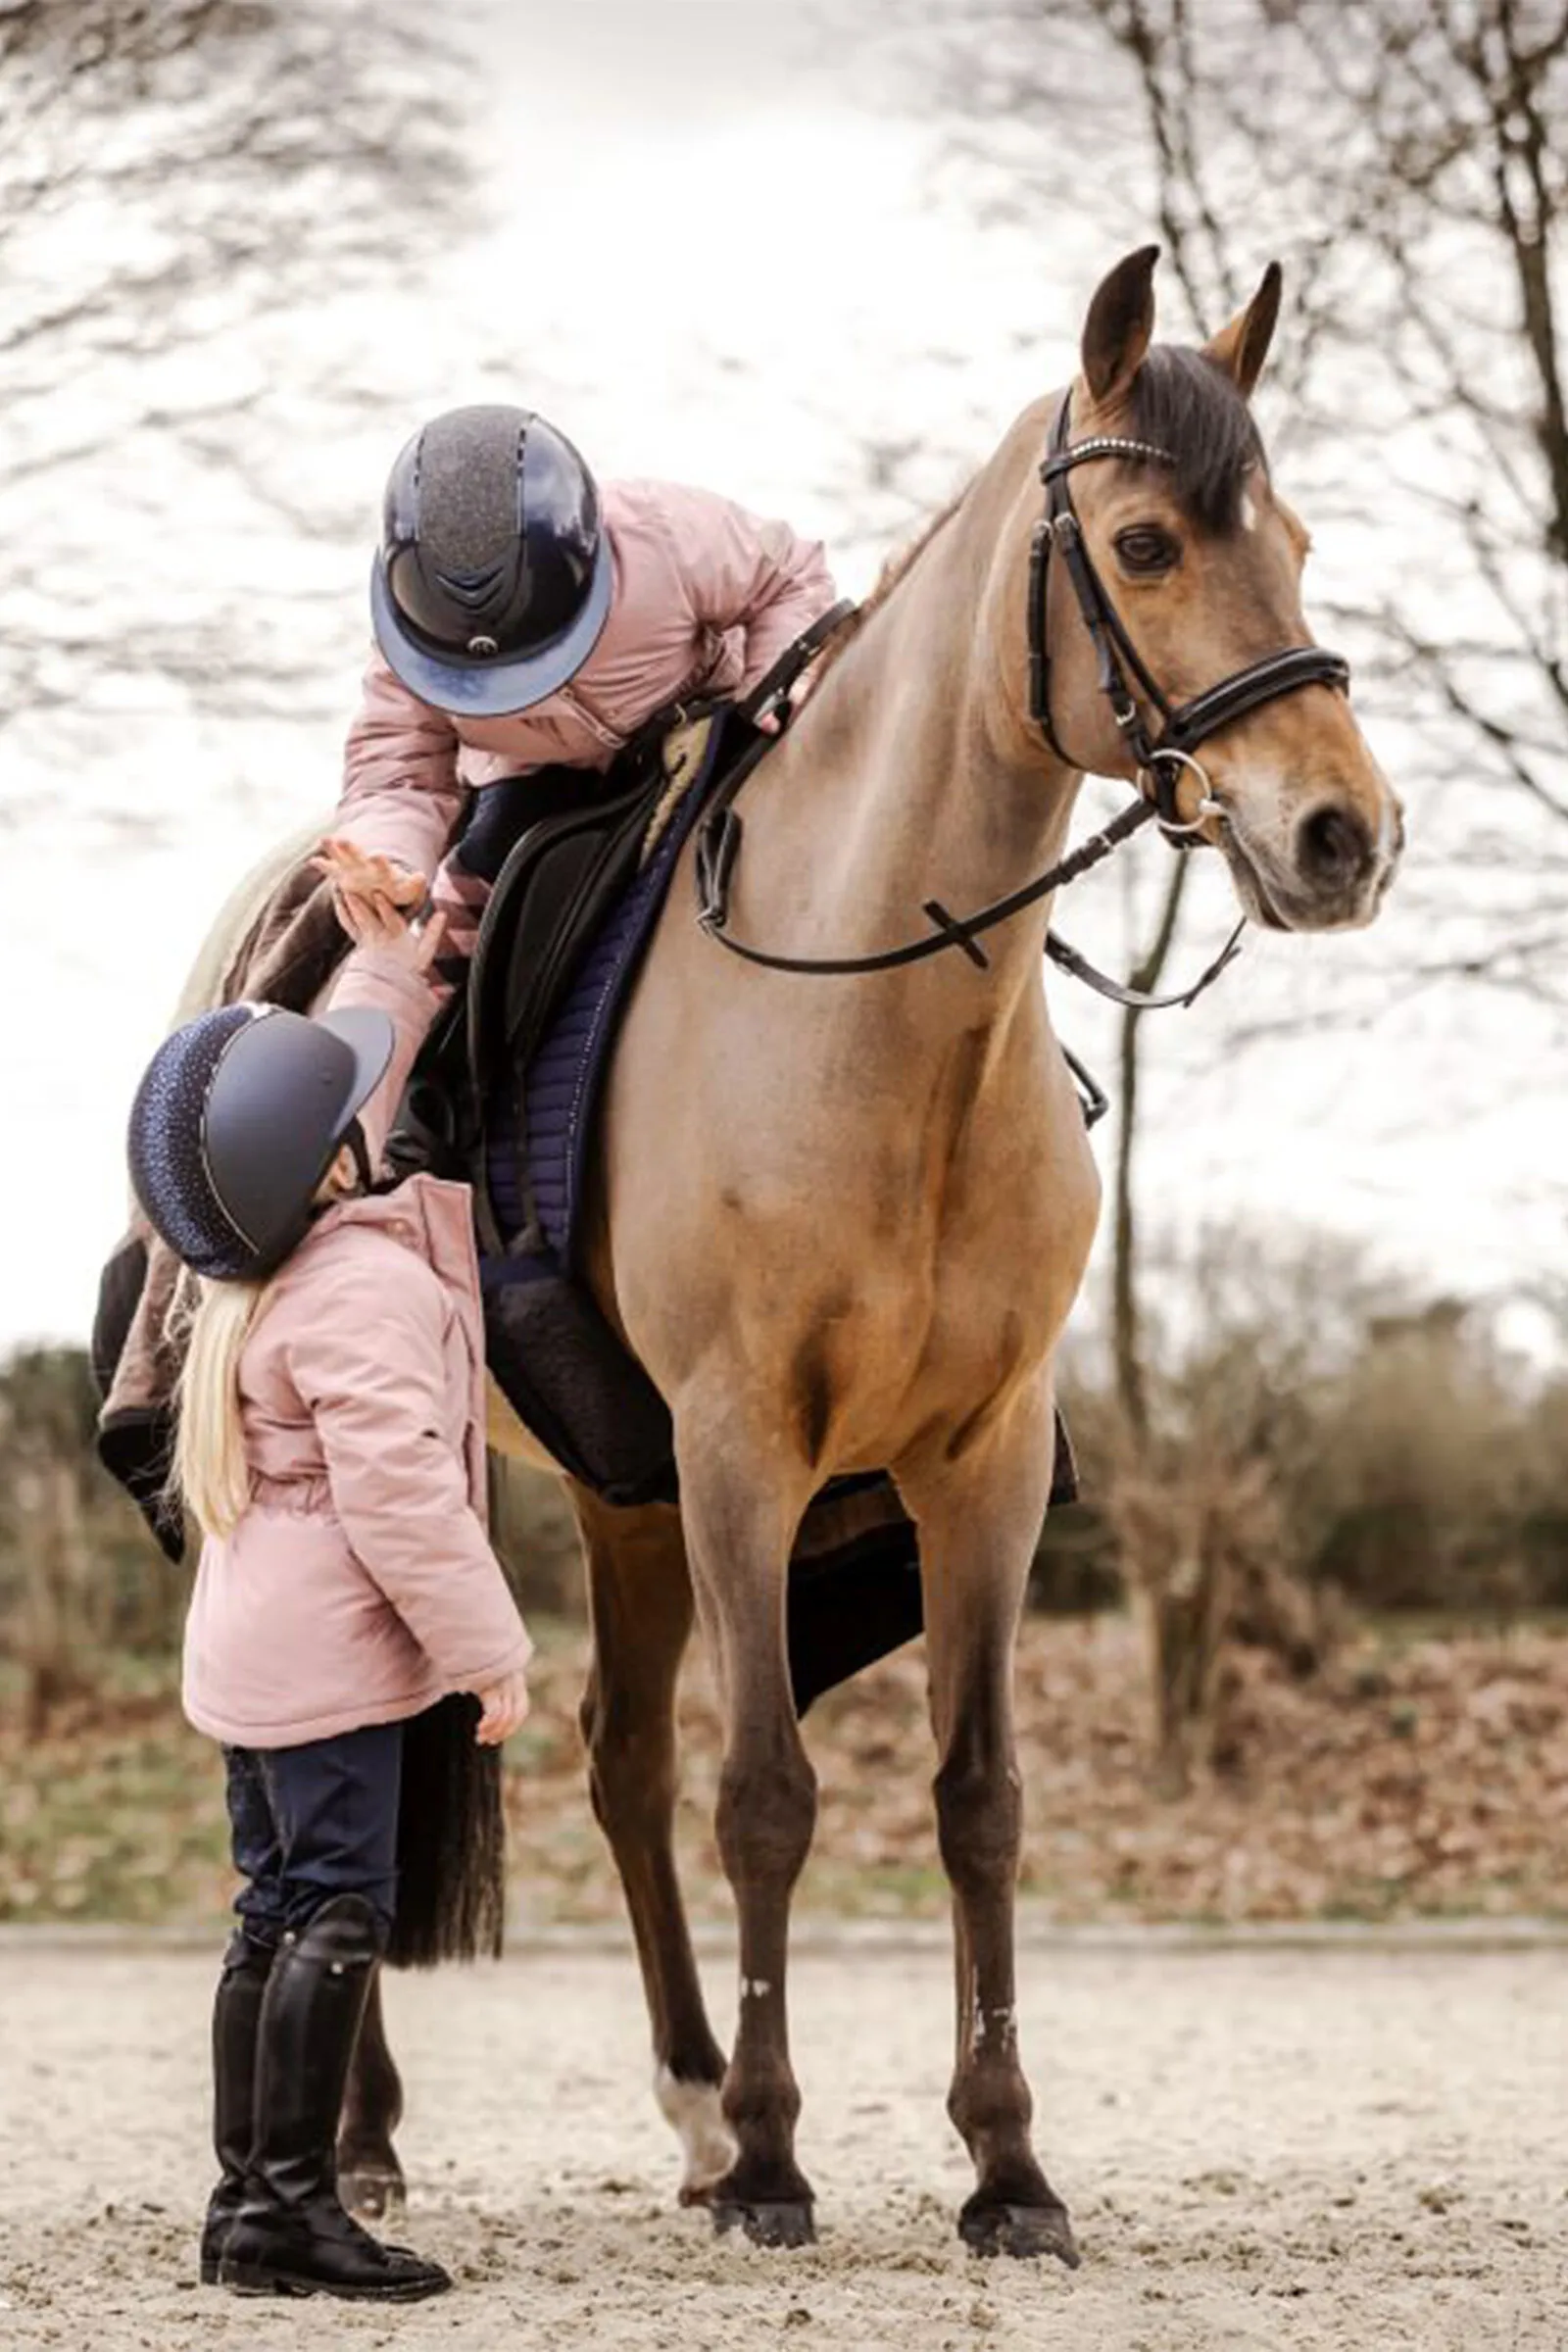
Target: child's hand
371	896
361	873
505	1705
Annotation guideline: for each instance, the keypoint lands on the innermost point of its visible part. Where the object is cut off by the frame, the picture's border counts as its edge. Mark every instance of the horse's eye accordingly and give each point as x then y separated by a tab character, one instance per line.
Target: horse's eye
1145	548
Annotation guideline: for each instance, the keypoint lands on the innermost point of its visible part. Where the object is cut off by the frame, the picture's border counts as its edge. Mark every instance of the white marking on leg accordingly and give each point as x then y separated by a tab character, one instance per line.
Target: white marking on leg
996	2025
692	2113
754	1989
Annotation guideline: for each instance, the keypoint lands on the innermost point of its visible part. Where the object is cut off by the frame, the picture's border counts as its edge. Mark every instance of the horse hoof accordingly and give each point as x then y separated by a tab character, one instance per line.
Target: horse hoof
372	2194
1024	2231
786	2224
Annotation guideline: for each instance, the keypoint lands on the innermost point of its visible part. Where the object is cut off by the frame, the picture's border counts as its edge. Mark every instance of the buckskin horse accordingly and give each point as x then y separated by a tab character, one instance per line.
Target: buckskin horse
841	1221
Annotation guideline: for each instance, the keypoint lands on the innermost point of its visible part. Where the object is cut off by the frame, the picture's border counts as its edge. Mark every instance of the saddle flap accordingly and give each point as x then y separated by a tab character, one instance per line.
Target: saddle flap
536	917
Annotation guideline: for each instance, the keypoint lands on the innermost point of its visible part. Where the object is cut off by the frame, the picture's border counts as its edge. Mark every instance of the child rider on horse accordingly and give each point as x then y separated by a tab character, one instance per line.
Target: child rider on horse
527	616
331	1447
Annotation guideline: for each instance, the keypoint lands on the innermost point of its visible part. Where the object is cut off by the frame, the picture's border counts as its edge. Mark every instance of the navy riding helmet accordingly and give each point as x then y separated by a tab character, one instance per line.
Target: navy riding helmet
493	578
237	1119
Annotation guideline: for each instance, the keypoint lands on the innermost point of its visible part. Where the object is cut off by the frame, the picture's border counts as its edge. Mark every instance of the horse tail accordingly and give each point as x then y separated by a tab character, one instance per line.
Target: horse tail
452	1886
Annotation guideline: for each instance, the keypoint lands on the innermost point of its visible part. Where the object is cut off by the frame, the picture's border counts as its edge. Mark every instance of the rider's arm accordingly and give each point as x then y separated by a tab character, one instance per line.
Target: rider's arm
743	572
401	788
387	978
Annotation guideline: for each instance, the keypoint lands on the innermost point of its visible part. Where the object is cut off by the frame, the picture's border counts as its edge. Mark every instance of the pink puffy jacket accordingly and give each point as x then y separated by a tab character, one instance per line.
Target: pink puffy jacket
359	1585
707	596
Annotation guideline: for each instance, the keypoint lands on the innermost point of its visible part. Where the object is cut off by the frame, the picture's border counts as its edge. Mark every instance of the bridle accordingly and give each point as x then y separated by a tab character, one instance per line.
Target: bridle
1161	760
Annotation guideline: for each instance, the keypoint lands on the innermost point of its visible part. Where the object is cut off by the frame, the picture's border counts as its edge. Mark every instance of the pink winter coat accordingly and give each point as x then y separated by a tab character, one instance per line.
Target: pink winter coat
706	599
359	1585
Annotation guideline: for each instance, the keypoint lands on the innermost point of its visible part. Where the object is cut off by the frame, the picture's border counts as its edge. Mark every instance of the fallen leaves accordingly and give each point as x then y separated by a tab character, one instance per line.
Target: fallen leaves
1418	1776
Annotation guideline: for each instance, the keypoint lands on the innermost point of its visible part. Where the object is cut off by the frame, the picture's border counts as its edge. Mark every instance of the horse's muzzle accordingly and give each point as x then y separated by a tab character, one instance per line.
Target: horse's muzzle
1333	875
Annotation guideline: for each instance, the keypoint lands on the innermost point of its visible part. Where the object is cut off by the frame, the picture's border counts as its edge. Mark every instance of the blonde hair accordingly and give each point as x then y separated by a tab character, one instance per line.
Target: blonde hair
211	1321
211	1471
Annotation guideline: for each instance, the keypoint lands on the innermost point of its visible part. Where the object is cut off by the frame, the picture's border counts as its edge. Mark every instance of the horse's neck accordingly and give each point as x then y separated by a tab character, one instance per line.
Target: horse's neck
900	786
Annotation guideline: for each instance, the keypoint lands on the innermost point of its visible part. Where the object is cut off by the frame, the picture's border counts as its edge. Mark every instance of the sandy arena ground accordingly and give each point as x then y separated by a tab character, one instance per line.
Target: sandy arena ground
1357	2147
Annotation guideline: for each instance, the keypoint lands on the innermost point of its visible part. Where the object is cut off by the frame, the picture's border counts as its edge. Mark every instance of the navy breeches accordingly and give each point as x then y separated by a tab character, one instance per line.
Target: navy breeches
312	1822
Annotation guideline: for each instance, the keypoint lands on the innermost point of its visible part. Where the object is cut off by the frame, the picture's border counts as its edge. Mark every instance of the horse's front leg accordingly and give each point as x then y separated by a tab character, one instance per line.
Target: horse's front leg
739	1530
369	2177
979	1516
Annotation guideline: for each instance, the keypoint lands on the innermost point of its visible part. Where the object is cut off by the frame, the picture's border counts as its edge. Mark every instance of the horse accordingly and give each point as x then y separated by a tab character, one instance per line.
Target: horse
840	1221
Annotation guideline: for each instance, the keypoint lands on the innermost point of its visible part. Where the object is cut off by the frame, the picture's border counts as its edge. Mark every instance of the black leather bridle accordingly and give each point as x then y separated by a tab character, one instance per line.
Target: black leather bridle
1160	759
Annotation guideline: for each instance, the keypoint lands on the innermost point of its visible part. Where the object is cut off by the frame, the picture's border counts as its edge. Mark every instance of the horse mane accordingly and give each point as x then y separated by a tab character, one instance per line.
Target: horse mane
1182	401
901	560
1186	404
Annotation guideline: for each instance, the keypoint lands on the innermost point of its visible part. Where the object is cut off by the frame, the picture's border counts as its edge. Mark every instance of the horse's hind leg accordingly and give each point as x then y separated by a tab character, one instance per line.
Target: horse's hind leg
978	1518
641	1604
369	2177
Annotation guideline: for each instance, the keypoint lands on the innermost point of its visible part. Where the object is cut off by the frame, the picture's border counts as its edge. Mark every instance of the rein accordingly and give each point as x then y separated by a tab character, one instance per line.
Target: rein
1160	761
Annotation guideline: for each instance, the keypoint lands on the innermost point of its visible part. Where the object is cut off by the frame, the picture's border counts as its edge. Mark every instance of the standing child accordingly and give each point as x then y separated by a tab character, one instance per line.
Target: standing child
330	1446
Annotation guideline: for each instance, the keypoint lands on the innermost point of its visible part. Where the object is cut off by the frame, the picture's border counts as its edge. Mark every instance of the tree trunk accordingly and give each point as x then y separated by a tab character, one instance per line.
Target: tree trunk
1132	1389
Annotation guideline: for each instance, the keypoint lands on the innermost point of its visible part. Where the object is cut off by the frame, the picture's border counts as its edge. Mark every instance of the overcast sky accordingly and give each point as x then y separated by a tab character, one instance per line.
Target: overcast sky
714	262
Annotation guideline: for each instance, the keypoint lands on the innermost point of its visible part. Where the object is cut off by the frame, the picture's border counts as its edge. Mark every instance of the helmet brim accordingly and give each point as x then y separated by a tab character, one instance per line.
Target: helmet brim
491	689
280	1105
371	1038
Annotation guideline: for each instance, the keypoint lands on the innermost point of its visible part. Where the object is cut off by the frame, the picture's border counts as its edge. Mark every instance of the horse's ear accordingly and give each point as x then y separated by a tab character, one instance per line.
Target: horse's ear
1120	324
1241	347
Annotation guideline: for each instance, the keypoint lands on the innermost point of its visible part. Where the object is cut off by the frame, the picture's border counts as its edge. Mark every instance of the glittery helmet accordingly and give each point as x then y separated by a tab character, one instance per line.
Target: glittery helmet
494	578
239	1117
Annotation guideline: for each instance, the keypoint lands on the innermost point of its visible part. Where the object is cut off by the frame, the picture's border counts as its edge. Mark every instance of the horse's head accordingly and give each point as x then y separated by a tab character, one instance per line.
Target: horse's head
1197	565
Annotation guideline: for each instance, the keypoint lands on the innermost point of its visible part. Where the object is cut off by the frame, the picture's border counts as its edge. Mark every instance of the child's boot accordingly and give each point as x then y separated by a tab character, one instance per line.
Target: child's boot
291	2235
236	2015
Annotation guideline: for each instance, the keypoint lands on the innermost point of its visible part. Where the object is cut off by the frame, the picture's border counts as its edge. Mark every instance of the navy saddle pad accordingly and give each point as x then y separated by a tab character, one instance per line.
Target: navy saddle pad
566	930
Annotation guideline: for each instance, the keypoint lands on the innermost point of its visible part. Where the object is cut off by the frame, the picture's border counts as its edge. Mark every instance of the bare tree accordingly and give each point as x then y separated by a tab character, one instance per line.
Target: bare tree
1408	157
46	1616
185	184
1405	157
1427	210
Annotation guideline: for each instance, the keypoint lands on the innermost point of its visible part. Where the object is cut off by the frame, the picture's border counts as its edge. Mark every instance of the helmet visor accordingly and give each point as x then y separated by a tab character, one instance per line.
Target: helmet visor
490	686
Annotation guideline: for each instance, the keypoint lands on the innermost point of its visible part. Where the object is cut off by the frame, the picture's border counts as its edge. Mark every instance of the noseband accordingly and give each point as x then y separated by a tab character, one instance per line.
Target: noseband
1159	760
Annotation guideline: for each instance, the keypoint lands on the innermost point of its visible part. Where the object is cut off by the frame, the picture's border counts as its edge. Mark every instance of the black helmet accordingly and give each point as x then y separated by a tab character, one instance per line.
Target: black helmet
236	1121
493	578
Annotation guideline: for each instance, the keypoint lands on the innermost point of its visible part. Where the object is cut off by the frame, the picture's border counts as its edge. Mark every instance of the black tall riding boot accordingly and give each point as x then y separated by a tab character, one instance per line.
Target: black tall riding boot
291	2235
236	2013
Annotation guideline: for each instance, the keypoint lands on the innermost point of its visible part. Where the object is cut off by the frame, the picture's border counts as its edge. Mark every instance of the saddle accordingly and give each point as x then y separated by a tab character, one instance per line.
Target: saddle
506	1094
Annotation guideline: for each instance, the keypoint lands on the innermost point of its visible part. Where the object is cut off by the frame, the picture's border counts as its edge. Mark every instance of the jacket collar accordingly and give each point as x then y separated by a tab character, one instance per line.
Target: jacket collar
426	1214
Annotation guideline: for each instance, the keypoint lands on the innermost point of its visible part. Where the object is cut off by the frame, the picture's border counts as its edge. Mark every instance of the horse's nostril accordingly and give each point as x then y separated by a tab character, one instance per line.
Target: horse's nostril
1335	846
